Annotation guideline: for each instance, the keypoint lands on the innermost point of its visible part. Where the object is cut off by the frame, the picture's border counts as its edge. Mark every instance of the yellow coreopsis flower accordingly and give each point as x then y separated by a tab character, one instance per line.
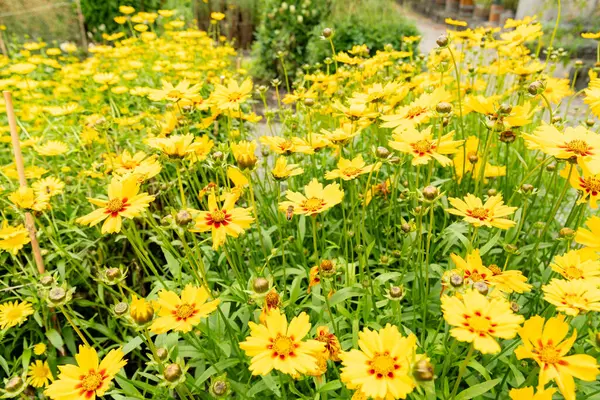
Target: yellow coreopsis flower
89	378
230	97
13	238
182	314
286	146
244	153
176	146
140	164
469	161
527	393
222	221
351	169
140	310
39	374
183	91
455	22
316	200
423	146
576	142
592	99
573	297
282	170
381	367
14	313
277	345
52	148
577	264
590	35
479	214
25	198
590	238
544	341
217	16
126	10
124	200
343	134
587	183
480	321
417	112
49	186
557	89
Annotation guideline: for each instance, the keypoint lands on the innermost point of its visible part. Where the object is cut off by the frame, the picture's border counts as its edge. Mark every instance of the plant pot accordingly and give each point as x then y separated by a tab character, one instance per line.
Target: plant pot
452	6
481	12
466	8
505	16
495	12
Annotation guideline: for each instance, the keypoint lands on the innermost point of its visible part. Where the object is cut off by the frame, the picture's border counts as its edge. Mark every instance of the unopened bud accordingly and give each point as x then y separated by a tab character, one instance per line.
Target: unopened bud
14	384
443	107
456	280
172	372
423	370
566	233
535	88
47	280
550	167
430	192
396	292
473	158
442	41
57	294
327	32
382	152
309	102
113	273
405	227
492	192
260	285
526	187
481	287
505	109
217	155
514	307
183	218
162	353
121	308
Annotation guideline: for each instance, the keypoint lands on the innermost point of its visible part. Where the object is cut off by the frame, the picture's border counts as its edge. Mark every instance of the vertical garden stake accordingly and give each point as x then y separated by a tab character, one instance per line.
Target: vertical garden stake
29	222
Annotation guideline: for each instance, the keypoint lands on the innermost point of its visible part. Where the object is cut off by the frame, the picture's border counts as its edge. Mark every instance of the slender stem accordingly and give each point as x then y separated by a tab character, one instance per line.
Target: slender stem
461	371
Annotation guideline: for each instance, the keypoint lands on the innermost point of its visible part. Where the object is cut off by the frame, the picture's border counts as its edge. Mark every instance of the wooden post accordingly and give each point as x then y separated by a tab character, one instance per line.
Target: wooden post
82	25
29	222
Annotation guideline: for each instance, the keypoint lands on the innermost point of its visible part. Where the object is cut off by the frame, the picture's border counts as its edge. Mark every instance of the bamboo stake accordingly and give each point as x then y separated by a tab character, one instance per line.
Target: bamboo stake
29	221
81	21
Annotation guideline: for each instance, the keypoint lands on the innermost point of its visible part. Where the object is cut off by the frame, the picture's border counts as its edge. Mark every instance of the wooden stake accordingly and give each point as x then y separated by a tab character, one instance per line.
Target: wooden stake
29	221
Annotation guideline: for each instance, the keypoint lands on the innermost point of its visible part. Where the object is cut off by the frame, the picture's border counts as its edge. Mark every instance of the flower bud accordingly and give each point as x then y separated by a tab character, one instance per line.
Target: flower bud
456	280
47	280
514	307
578	63
219	387
535	88
57	294
113	273
511	248
598	339
14	384
382	152
121	308
398	253
183	218
309	102
326	266
590	122
507	136
492	192
481	287
566	233
396	292
423	370
327	32
162	353
260	285
527	188
443	107
430	192
442	41
550	167
505	109
473	158
172	372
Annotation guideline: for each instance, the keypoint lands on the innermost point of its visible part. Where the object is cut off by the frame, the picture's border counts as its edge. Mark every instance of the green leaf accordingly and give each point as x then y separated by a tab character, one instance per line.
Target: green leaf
329	386
345	294
132	344
478	389
55	339
490	244
172	263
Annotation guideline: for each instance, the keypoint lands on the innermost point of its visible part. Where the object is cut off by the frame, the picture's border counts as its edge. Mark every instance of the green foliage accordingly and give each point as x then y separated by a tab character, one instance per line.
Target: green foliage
374	23
286	26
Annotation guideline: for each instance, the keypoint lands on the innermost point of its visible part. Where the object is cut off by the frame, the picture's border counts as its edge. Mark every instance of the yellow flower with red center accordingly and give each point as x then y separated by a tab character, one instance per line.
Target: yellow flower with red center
277	345
89	379
478	320
177	146
423	146
527	393
138	164
232	96
316	199
590	238
469	161
573	297
26	199
416	113
544	342
382	366
181	314
332	344
124	201
579	143
480	214
351	169
587	183
577	264
222	221
285	146
343	134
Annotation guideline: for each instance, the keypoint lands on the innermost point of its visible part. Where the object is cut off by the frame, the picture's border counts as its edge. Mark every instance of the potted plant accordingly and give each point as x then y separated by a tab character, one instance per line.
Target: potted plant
496	10
482	9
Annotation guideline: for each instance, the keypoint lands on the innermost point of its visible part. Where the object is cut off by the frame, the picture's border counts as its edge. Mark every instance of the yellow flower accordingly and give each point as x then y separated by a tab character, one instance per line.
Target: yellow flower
120	19
286	146
423	146
479	321
479	214
590	35
573	297
316	200
14	313
343	134
469	161
577	264
223	221
13	238
351	169
244	153
587	183
39	349
592	99
578	142
126	10
230	97
89	378
27	199
39	374
508	281
557	89
107	78
140	27
217	16
182	314
52	148
124	200
417	112
279	346
527	393
137	164
177	146
590	238
381	367
544	341
49	186
140	310
282	170
166	13
22	68
183	91
455	22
